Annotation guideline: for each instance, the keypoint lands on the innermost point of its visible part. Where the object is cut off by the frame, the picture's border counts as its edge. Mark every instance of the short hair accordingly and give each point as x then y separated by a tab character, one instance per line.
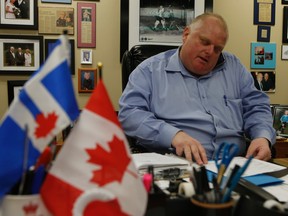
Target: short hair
206	15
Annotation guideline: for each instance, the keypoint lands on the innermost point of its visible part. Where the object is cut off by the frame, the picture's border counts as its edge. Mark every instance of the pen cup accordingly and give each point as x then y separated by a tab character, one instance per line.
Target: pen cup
213	209
22	205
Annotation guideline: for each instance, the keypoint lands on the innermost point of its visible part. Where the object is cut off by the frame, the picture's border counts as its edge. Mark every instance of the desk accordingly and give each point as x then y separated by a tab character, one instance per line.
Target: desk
281	148
280	161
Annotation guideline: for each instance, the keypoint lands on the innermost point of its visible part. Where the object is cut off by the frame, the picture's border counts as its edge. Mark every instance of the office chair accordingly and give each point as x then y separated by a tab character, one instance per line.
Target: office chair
138	53
130	60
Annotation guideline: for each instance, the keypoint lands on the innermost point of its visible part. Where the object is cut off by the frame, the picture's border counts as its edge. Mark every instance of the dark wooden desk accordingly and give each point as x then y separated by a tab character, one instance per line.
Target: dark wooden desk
281	148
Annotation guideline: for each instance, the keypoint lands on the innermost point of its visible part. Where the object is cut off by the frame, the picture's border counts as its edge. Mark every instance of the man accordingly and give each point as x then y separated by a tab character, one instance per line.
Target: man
20	58
196	97
267	83
258	81
10	57
24	7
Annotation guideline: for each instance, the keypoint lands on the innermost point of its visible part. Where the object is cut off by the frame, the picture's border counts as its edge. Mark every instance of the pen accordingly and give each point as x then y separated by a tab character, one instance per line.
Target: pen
236	179
151	172
230	176
225	100
25	160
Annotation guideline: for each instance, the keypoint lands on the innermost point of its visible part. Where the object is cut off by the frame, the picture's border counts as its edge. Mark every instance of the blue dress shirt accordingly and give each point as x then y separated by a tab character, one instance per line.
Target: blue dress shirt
162	97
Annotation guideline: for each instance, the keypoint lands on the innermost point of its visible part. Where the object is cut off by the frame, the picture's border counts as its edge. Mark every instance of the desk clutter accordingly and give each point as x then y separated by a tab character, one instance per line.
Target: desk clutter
226	186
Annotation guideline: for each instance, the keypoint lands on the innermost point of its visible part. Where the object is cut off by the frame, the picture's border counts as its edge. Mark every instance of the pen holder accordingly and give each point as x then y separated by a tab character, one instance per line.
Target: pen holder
22	205
213	209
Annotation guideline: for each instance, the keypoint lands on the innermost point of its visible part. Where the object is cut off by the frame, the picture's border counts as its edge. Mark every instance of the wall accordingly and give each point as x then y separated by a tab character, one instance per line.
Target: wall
107	51
239	17
238	14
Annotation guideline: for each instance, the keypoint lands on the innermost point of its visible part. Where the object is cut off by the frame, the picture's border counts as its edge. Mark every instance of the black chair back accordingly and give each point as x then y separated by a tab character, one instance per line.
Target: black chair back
138	53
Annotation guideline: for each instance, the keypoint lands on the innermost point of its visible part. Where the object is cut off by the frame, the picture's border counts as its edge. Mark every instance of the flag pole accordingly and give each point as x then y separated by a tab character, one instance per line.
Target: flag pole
100	65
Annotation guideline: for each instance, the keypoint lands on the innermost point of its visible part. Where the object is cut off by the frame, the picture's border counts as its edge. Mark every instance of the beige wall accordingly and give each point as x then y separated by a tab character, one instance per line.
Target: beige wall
239	16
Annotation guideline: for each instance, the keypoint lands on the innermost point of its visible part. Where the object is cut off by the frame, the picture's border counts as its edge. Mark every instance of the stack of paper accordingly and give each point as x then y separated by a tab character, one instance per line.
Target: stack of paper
143	160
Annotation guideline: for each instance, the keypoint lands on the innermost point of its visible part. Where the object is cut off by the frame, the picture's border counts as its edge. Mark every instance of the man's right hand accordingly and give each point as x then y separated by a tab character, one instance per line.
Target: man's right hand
192	149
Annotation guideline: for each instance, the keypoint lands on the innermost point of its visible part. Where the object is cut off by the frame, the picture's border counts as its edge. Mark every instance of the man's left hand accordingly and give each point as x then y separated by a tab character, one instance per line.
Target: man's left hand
259	148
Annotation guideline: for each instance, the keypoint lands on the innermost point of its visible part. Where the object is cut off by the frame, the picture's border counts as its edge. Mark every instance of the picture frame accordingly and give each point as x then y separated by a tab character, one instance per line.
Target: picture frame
263	33
130	22
86	56
265	80
19	64
85	74
49	45
284	52
13	87
280	127
24	18
285	23
263	55
54	20
284	2
57	1
264	12
86	22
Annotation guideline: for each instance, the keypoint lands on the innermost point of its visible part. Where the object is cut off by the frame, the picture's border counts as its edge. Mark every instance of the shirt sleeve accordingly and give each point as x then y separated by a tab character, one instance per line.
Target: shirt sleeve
136	116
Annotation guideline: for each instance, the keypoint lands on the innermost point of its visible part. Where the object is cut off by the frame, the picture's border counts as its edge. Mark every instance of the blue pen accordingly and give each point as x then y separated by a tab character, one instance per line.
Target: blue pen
235	180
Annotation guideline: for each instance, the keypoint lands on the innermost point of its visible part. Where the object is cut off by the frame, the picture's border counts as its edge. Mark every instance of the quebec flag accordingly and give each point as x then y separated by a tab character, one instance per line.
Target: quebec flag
45	106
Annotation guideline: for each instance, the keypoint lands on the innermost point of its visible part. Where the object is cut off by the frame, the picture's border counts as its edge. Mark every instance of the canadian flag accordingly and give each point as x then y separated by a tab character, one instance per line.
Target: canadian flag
94	173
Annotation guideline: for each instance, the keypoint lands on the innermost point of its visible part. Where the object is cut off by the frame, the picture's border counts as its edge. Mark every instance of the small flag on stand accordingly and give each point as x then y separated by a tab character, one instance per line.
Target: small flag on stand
94	173
44	107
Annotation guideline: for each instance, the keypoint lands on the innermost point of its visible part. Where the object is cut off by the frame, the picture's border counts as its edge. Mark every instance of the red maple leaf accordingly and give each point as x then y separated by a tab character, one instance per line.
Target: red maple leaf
45	124
107	208
113	163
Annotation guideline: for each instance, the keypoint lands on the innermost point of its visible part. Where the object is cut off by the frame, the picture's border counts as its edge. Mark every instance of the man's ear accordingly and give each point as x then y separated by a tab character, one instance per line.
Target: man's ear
185	34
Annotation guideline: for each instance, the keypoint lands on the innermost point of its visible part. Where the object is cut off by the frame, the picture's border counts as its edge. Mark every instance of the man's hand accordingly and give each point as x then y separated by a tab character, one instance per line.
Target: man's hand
259	148
192	149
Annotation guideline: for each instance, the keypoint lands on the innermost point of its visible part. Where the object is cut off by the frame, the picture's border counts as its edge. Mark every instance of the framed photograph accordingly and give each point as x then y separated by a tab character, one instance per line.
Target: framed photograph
14	87
57	1
86	20
263	55
87	79
285	23
264	80
49	45
264	12
280	122
284	2
86	56
21	55
139	23
263	34
284	53
19	16
54	20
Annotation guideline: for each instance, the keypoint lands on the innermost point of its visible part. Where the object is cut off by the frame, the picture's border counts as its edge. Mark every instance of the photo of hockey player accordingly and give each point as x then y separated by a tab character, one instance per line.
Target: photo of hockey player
164	21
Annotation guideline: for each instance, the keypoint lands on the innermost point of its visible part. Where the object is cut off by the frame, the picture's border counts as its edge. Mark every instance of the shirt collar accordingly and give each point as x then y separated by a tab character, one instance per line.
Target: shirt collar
175	64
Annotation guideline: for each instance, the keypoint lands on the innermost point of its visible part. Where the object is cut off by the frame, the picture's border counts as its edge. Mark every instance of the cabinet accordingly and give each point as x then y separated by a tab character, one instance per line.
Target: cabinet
281	149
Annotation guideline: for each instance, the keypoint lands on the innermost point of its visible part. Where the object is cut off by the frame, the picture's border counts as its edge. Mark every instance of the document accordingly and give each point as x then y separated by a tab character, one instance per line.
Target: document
279	191
143	160
255	167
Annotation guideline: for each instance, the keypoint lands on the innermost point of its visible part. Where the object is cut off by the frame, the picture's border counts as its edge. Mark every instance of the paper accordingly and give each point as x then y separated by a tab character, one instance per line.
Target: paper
279	191
143	160
255	167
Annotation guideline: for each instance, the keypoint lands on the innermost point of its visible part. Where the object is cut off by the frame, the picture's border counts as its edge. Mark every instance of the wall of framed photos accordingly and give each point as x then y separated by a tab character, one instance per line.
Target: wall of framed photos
100	45
243	32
